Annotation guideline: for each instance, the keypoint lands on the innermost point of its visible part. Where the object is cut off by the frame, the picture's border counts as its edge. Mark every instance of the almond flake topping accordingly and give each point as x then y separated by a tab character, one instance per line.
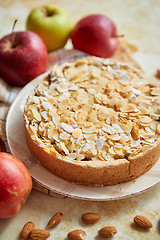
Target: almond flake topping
94	109
108	129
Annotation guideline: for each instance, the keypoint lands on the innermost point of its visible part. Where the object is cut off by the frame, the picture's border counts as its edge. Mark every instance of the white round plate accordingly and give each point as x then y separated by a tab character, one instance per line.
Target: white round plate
18	147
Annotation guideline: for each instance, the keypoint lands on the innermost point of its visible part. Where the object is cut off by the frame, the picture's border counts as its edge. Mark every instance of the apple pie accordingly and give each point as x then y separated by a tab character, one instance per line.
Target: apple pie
94	121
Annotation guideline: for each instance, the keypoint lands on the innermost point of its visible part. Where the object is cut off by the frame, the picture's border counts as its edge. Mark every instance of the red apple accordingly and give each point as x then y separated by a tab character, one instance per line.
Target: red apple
95	34
15	185
23	56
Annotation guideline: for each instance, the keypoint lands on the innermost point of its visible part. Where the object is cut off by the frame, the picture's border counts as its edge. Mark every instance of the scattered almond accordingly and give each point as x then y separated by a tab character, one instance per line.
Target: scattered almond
38	234
55	220
76	235
158	73
107	231
27	228
143	222
90	218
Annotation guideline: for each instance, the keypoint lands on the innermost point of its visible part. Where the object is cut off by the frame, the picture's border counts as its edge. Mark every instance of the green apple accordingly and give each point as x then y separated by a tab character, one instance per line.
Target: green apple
52	24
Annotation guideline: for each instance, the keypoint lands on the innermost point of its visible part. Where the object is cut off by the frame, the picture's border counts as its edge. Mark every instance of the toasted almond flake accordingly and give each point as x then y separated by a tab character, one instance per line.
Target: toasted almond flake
147	102
88	124
46	105
33	128
53	152
123	139
92	91
158	128
64	102
136	91
80	117
41	87
44	115
92	116
91	129
85	108
102	155
53	134
36	99
89	145
99	144
114	137
150	140
72	155
77	133
82	98
73	87
108	129
67	127
56	119
117	128
111	151
145	119
119	151
155	116
63	148
92	152
135	133
135	144
129	108
156	91
120	103
64	136
153	125
80	157
106	62
36	114
133	97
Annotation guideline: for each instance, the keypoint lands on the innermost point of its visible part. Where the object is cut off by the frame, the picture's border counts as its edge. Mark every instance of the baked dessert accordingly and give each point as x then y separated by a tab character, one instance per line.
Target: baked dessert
94	122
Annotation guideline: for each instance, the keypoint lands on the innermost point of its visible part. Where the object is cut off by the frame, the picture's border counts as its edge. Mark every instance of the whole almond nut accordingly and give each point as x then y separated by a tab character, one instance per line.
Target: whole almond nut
76	235
90	218
38	234
55	220
158	73
27	228
107	231
143	222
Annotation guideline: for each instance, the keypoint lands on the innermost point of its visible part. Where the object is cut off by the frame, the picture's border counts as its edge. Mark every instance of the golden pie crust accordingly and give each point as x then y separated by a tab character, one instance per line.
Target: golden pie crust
95	121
